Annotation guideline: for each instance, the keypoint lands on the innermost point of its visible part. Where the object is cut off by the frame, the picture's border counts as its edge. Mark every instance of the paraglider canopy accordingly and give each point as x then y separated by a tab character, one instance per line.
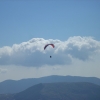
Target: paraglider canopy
48	45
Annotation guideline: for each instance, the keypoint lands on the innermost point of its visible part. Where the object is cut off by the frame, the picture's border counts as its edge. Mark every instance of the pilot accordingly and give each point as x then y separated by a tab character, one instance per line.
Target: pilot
50	56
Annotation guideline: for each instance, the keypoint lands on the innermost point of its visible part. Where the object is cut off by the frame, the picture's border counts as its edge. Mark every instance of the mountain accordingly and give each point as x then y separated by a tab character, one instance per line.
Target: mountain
12	86
60	91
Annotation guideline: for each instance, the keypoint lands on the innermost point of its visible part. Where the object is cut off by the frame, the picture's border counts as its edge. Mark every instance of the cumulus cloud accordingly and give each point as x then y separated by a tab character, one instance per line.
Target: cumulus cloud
32	53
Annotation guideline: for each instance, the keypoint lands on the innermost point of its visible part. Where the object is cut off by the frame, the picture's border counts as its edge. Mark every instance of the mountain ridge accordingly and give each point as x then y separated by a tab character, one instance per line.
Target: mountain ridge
60	91
12	86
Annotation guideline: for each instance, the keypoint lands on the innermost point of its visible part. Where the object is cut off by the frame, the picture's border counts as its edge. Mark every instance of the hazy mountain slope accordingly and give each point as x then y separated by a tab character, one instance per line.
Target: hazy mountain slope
6	96
11	86
61	91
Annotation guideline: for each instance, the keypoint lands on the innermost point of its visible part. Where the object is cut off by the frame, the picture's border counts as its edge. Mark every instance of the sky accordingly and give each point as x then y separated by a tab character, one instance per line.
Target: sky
26	26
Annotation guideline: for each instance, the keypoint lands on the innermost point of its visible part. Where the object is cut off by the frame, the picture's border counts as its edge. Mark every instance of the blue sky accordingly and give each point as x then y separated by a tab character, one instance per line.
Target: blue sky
27	25
56	19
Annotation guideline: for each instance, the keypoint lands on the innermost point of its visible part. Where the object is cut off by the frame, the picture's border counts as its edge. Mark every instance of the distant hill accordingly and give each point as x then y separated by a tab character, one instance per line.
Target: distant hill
59	91
12	86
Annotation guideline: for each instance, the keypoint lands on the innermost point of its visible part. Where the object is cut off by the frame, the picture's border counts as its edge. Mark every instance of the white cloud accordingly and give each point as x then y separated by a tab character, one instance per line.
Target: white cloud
32	53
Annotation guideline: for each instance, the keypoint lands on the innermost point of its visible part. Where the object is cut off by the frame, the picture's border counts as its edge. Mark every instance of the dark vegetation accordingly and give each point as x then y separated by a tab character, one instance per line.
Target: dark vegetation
11	86
58	91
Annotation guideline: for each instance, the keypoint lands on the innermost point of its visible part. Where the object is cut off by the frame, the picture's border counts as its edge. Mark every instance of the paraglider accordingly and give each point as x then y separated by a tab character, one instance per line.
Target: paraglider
47	46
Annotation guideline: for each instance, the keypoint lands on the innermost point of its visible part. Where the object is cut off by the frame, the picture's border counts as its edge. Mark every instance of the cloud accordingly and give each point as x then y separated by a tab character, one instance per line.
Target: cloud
32	53
3	70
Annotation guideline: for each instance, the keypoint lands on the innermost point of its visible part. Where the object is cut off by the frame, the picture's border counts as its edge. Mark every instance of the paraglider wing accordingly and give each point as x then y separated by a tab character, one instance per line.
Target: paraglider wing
48	45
